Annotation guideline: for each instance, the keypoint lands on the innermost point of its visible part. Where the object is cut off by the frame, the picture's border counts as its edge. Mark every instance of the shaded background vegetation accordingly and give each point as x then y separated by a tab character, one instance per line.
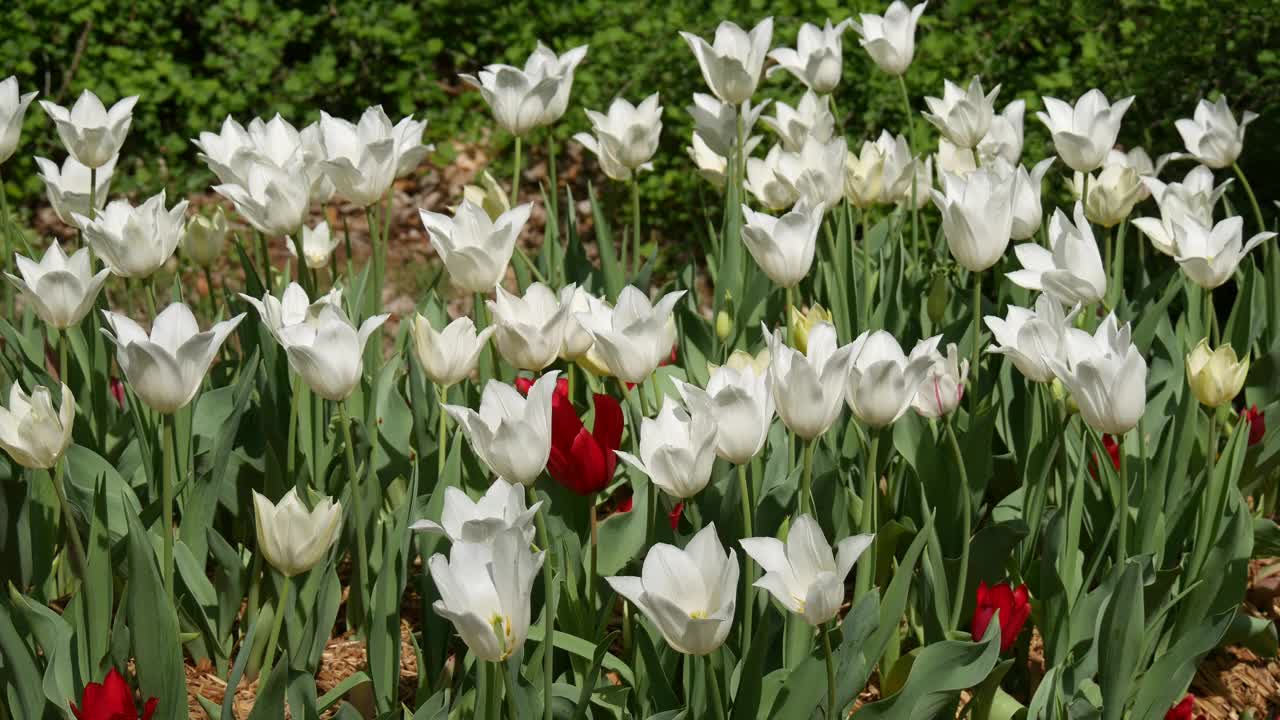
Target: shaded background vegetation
193	63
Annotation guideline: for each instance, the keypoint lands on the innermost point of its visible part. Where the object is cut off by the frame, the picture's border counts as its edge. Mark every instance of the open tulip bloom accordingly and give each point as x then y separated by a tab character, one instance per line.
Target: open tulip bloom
91	133
520	99
817	58
511	434
544	62
809	118
1195	197
1083	134
977	215
292	308
1209	255
635	337
716	123
808	388
474	248
731	64
361	159
327	351
274	200
1070	270
62	290
13	108
233	151
318	245
530	329
742	404
1030	337
1106	374
135	242
111	699
67	187
626	138
1212	134
883	381
677	449
501	508
890	39
803	574
784	246
1004	137
33	433
963	116
449	356
293	538
582	460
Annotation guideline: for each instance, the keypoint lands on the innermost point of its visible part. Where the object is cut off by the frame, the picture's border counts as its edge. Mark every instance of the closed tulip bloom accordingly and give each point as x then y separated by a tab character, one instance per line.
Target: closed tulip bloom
166	367
810	118
901	168
410	150
475	249
488	194
501	508
546	63
1106	375
784	246
60	289
204	237
955	160
91	133
1112	194
890	39
1194	197
1004	137
577	341
821	179
318	245
1215	376
520	100
1029	337
803	574
600	314
864	176
530	331
742	404
626	138
1085	133
111	699
711	167
808	388
882	380
511	434
677	449
731	64
801	323
583	461
1209	255
977	215
1070	270
135	242
13	108
68	187
716	122
1014	607
963	116
772	181
817	58
634	339
689	595
942	389
448	357
1140	162
1028	212
292	538
1212	134
327	351
486	591
361	159
274	200
292	308
33	433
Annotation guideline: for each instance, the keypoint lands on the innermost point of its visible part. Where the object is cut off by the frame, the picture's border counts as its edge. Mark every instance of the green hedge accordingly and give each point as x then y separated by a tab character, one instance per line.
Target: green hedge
195	62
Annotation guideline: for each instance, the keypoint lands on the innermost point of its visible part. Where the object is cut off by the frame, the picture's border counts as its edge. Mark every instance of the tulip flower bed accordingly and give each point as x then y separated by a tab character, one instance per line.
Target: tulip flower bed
852	457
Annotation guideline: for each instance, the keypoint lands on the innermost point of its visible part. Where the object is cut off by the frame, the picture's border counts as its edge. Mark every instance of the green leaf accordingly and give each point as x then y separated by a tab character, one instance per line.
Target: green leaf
154	625
1121	628
938	674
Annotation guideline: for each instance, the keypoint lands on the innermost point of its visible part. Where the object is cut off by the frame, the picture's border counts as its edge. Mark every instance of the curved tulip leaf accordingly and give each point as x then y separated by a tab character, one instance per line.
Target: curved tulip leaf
1121	627
1165	682
154	627
269	702
20	661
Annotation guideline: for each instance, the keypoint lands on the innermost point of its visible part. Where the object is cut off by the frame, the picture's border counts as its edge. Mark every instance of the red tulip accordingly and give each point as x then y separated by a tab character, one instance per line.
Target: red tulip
674	516
1113	450
111	700
117	391
1014	607
1257	424
582	461
1183	710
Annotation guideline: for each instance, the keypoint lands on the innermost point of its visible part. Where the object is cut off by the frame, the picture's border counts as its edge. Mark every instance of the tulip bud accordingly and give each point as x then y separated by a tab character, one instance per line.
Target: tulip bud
939	296
204	237
724	325
489	195
802	323
1215	376
1013	605
292	538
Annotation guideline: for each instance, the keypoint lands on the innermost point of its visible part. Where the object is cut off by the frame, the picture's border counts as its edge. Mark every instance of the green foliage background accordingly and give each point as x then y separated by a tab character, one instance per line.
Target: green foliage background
193	63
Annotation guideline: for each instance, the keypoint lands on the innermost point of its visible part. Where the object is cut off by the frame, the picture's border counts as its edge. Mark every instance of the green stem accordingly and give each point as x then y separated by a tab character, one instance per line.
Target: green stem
442	438
1216	500
513	713
595	543
906	106
1084	191
790	311
748	530
166	503
1122	504
805	501
1110	258
93	193
966	501
264	251
831	673
63	342
294	400
867	523
74	547
866	270
548	585
515	174
277	623
713	688
1253	199
486	352
652	493
635	222
353	479
976	352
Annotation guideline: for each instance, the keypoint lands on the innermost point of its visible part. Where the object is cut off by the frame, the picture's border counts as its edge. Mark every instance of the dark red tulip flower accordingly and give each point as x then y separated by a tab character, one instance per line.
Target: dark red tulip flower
1014	606
117	391
1183	710
1257	424
674	516
1113	451
111	700
583	461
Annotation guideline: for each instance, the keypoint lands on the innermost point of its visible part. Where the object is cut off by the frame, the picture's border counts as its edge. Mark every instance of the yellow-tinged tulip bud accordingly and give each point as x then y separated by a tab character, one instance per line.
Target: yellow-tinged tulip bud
801	323
1215	376
724	325
488	195
1061	395
204	237
742	361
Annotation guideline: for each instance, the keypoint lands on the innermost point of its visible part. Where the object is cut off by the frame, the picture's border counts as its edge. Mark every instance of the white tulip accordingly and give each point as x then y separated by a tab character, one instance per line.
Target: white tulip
13	108
1070	270
577	341
530	329
817	58
963	116
410	150
810	118
977	215
204	237
232	152
716	122
955	160
1085	133
475	249
635	338
1106	375
803	574
1138	159
488	194
68	187
361	159
864	176
742	405
1028	212
31	431
1112	194
599	314
449	356
808	388
943	386
882	380
678	448
1212	135
1209	255
318	244
1030	337
292	538
626	138
166	367
711	167
689	595
1004	137
91	133
544	62
1194	197
274	200
60	289
501	508
327	351
293	307
520	100
900	168
890	39
821	179
731	65
511	433
135	242
773	180
486	591
783	246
